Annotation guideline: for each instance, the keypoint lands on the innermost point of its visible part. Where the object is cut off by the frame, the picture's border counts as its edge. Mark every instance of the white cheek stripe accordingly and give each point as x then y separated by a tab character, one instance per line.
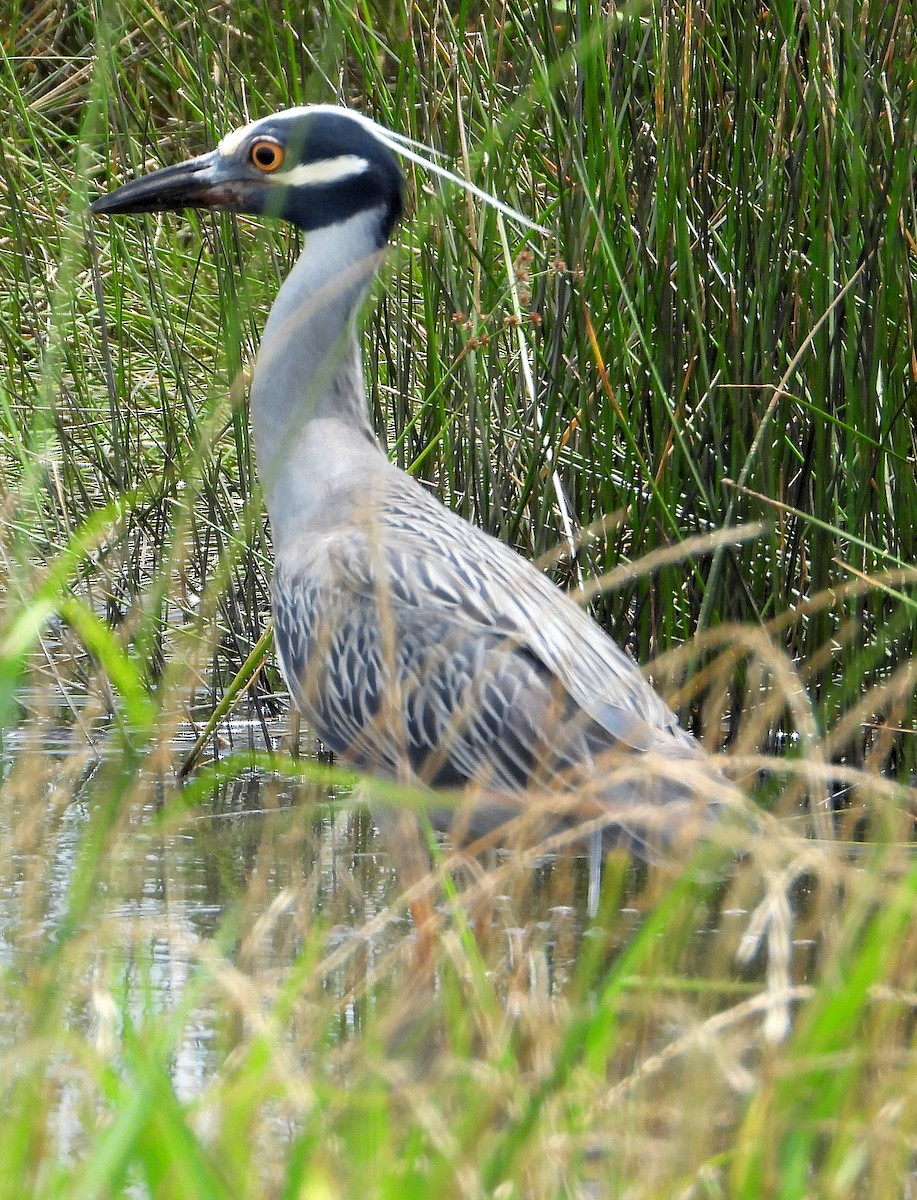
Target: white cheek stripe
326	170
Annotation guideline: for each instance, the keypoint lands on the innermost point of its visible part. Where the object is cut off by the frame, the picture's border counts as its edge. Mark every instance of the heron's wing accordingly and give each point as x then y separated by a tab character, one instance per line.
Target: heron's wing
398	687
411	642
485	583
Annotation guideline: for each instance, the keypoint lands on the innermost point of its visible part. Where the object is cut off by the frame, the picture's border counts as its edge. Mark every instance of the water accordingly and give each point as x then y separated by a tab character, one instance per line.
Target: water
268	918
244	885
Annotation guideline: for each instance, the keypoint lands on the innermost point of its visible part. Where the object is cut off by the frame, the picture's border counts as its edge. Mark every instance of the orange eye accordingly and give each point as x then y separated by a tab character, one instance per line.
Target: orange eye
266	155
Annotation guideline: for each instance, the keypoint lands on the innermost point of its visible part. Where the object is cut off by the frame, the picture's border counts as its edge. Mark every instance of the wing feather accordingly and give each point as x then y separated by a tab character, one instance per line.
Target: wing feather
418	646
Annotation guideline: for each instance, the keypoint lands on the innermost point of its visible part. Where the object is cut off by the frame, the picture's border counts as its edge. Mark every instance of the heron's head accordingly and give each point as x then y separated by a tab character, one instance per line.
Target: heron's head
314	166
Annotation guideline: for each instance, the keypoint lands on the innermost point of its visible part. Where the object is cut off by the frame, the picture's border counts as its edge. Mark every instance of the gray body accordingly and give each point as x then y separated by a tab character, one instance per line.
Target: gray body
418	647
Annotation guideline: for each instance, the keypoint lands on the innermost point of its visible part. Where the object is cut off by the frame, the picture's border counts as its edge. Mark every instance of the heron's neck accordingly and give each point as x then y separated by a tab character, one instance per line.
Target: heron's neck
309	368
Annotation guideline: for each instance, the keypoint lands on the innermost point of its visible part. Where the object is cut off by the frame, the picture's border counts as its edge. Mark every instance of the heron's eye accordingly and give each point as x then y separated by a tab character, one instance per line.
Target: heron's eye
266	155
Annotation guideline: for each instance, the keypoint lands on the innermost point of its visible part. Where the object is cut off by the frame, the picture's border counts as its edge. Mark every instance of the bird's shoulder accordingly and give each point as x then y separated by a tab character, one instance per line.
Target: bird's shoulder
488	582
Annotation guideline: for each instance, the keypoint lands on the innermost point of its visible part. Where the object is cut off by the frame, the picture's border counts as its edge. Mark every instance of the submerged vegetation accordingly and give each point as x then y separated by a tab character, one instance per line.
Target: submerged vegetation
706	371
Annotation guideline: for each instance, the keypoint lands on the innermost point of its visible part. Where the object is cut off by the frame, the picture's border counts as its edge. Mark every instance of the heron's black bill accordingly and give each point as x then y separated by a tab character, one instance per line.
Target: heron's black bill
192	184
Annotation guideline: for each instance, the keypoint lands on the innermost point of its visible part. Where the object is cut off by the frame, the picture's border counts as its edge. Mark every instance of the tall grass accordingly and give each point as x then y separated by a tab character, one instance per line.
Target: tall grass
721	332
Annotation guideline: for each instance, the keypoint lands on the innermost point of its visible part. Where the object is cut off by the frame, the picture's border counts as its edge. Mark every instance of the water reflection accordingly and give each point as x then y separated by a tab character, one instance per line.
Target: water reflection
213	911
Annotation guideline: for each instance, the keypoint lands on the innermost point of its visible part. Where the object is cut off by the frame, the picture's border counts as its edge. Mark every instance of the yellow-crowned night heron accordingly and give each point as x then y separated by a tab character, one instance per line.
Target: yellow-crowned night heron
417	647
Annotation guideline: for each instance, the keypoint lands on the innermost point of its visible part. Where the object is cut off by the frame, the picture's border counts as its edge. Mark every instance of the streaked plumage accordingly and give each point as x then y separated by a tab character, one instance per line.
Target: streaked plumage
416	646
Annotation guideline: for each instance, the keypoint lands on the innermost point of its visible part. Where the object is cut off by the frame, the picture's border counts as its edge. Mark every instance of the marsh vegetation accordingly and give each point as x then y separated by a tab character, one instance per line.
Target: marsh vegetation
208	988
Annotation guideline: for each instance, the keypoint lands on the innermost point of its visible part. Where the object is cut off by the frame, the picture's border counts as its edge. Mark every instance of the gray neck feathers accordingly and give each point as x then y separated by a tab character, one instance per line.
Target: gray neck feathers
308	400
